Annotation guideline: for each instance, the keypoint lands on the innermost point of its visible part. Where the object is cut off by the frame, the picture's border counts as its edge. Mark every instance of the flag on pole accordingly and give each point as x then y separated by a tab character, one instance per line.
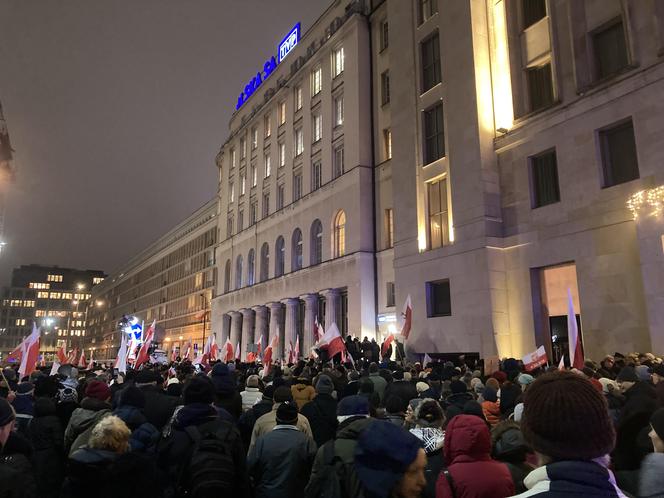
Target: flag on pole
17	353
61	356
386	344
332	341
408	317
143	353
426	360
228	351
267	357
81	361
318	331
91	362
238	353
55	367
296	351
575	348
121	359
259	346
214	348
535	359
561	365
174	353
73	356
289	352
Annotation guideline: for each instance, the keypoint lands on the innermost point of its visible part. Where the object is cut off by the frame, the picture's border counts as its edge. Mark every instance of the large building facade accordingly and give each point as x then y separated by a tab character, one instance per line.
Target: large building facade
53	298
476	155
170	282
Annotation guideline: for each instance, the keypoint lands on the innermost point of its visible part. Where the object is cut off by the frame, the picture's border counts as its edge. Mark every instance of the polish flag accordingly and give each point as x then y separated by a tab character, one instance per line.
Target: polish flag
17	353
267	357
214	348
81	361
238	353
296	352
121	359
332	341
251	357
259	346
174	353
386	344
61	356
185	352
561	365
228	349
289	353
143	353
55	367
408	317
73	355
91	362
575	348
318	331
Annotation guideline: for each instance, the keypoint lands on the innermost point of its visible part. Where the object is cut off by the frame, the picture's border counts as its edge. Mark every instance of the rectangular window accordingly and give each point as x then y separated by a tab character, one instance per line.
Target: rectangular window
316	81
338	161
282	112
438	219
426	9
384	36
254	138
438	298
266	204
610	50
316	175
434	134
533	11
267	125
42	295
243	147
297	185
252	213
337	62
316	127
299	142
282	154
387	137
618	147
280	196
389	228
385	88
229	226
243	183
430	53
268	165
298	97
233	158
339	110
254	175
540	87
389	294
54	278
231	191
544	179
240	220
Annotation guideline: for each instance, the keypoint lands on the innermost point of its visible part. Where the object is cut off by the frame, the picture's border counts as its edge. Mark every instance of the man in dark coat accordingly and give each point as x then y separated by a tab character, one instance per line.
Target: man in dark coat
159	406
46	435
248	418
280	461
226	393
353	385
658	381
402	388
321	411
16	473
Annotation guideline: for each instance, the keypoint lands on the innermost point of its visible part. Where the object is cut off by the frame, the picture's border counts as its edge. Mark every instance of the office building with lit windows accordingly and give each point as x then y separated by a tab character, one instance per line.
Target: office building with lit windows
53	298
170	282
485	157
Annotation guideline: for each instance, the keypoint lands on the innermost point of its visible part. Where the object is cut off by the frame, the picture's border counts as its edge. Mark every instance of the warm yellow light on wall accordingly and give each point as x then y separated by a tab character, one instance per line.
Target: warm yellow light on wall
451	236
500	69
650	199
421	238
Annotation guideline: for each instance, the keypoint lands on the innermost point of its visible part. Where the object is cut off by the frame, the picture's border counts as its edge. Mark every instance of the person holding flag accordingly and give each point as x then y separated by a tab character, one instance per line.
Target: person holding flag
144	352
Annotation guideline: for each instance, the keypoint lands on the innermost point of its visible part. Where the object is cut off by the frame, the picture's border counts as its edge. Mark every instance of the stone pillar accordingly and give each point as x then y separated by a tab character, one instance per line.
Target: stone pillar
247	329
236	329
261	326
310	313
290	327
276	328
332	307
225	329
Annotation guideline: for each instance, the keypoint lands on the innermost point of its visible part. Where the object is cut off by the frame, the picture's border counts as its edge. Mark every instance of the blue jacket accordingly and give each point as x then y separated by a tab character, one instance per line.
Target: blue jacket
571	479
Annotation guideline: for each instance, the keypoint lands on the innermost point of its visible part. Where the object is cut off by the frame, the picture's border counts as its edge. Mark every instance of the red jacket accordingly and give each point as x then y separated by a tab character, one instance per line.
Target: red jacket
467	452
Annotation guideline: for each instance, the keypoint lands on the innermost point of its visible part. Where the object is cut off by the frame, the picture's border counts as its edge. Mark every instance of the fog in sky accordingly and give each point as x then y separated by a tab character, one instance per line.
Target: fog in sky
116	111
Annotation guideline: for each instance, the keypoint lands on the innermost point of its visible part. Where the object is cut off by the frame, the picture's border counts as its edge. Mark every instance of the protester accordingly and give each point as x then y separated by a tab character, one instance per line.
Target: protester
509	446
280	461
404	389
159	406
379	382
651	476
395	410
46	436
491	406
93	408
429	421
658	382
131	404
248	418
226	395
16	472
303	392
321	411
367	390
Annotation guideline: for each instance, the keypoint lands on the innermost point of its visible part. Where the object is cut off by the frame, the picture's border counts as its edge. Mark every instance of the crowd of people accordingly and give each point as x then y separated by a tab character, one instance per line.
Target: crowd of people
358	430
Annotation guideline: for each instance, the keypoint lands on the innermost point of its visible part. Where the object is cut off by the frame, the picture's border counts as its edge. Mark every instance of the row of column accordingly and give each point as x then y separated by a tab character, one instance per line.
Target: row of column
280	319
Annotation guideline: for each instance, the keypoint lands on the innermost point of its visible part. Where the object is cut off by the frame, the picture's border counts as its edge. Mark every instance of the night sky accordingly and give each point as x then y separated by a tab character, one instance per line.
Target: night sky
116	110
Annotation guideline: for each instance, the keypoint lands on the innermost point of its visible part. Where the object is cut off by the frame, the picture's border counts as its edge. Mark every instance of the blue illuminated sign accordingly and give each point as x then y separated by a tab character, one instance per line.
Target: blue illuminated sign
285	47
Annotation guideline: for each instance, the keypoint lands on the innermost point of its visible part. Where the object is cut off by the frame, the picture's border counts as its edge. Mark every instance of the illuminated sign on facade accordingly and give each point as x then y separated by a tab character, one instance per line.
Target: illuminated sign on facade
285	47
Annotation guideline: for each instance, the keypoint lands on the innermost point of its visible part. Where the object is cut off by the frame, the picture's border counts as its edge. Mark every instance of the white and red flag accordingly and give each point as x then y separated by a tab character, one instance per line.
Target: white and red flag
408	318
575	347
267	357
143	353
121	359
238	353
61	356
30	354
81	361
535	359
228	351
386	344
296	351
259	346
289	353
91	362
332	341
73	356
561	365
318	331
17	353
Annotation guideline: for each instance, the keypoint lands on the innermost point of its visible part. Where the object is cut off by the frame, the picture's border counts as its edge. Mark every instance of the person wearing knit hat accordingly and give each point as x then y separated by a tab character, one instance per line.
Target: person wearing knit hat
525	379
643	373
566	423
651	475
390	462
98	390
252	393
7	418
321	411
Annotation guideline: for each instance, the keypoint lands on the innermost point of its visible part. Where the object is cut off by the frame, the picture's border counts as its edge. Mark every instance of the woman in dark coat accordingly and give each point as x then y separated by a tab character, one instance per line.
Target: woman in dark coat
46	434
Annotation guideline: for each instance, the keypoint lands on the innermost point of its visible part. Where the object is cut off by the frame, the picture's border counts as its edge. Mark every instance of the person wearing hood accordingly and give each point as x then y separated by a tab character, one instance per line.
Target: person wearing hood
651	475
226	395
302	392
510	394
470	470
378	381
459	397
94	406
632	442
252	393
320	412
23	404
353	418
566	423
510	447
429	421
46	435
144	435
159	406
491	406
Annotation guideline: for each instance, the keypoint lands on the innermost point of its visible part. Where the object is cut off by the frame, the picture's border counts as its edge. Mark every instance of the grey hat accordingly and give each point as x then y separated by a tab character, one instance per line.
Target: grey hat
324	385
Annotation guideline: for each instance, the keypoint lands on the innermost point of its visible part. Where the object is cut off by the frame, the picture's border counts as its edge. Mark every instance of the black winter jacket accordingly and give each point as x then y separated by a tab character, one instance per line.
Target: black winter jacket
321	412
46	435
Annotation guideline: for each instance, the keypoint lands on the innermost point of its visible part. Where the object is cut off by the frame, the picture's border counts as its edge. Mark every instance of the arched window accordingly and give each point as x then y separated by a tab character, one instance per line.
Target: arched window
279	253
250	267
340	234
316	242
227	276
296	250
238	272
265	262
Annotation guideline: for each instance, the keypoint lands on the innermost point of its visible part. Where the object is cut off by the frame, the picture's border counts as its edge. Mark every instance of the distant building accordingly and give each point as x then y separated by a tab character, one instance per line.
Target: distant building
54	298
171	281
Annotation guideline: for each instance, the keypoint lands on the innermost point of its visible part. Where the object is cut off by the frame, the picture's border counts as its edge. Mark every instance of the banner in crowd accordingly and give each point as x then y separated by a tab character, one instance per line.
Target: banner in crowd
535	359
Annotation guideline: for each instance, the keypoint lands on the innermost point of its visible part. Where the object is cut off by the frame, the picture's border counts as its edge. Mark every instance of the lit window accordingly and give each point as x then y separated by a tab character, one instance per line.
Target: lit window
243	147
231	190
97	280
438	219
299	142
266	204
282	112
268	165
338	161
254	175
254	138
40	313
337	62
42	295
20	322
317	127
316	81
339	110
267	125
298	97
316	175
387	136
55	295
54	278
67	295
282	154
389	228
340	234
280	196
297	185
39	285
